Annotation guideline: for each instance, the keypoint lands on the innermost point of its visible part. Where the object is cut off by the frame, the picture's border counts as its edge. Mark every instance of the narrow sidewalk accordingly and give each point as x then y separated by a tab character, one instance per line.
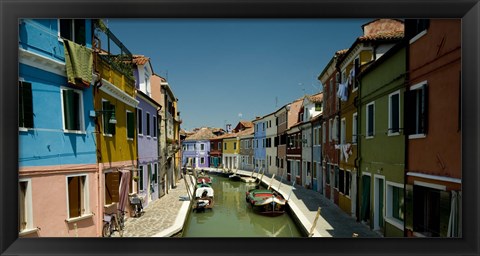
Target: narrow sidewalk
163	217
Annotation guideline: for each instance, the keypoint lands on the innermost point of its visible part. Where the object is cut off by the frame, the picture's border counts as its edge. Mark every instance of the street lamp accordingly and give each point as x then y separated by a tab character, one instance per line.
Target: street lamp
97	113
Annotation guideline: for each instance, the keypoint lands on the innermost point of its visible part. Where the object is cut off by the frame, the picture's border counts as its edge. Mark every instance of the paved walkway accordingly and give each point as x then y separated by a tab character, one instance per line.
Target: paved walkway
165	216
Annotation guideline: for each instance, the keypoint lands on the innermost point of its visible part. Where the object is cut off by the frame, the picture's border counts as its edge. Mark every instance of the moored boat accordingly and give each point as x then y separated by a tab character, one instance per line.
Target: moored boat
204	198
266	202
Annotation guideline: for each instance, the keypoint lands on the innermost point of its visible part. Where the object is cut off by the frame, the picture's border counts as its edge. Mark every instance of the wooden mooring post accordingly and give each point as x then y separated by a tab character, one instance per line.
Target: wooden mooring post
314	223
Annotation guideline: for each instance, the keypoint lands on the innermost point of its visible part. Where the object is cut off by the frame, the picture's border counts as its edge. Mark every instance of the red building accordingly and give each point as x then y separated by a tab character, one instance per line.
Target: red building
433	128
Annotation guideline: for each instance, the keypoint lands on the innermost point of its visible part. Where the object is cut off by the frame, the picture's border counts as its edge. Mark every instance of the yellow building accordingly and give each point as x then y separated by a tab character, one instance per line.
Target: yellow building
378	36
231	151
115	125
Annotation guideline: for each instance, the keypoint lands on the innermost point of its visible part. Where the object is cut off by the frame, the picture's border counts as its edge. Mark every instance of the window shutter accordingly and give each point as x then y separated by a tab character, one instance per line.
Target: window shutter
68	109
425	109
111	127
74	196
130	125
409	113
27	102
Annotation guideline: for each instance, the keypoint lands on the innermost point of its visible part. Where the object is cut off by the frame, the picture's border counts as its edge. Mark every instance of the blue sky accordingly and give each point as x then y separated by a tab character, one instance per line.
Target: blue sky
224	70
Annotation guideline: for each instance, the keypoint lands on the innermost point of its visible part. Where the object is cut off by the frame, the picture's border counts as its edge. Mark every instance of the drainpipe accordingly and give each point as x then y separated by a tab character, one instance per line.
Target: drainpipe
358	101
405	177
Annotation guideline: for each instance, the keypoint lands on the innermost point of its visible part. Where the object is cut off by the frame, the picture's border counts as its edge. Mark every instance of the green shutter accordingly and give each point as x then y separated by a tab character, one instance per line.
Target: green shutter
76	111
130	125
25	105
69	109
111	126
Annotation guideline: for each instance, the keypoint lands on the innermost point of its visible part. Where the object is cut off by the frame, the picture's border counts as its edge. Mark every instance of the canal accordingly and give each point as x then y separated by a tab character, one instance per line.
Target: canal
233	217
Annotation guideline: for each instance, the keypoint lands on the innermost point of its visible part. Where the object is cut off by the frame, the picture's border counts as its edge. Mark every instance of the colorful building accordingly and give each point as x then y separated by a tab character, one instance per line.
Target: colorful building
270	148
259	144
246	149
378	37
58	172
280	142
433	129
311	107
382	149
317	174
115	107
330	79
196	148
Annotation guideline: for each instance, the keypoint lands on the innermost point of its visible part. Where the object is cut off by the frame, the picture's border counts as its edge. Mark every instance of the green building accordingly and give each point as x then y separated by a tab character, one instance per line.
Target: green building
382	143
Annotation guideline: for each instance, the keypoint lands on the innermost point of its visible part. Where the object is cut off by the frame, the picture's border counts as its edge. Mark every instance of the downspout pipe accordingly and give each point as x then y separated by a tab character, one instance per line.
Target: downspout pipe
405	177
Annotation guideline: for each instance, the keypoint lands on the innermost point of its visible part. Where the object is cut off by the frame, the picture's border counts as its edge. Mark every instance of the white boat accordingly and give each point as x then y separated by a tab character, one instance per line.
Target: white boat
203	199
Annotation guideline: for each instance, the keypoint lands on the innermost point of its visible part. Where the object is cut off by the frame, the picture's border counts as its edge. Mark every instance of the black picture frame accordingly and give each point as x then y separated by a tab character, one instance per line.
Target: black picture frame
11	11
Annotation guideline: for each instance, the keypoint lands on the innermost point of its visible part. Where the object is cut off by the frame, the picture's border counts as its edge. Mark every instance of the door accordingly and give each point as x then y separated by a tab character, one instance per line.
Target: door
154	182
314	177
379	201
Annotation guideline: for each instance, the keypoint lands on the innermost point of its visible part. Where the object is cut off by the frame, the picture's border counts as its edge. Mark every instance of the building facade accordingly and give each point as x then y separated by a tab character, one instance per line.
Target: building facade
382	149
433	129
58	172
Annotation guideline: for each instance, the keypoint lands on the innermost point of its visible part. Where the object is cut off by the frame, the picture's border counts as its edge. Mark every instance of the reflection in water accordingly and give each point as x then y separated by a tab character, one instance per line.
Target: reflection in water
233	217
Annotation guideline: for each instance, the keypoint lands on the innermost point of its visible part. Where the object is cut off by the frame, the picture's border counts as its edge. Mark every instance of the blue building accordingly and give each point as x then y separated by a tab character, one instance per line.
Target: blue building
196	148
259	144
57	148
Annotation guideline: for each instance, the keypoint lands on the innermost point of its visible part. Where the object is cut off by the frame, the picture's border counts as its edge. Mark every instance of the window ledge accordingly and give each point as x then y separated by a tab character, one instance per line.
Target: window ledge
419	35
75	132
28	231
393	134
72	220
130	139
22	129
369	137
140	135
108	135
417	136
398	224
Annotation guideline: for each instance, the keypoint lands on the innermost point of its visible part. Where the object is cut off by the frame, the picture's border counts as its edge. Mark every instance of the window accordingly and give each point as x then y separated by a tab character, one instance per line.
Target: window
25	219
324	130
319	106
395	203
327	175
225	146
140	179
148	124
343	129
140	121
72	109
130	125
25	105
202	147
354	128
330	131
348	181
370	120
415	28
108	112
416	107
234	145
394	113
356	67
77	196
341	181
336	177
331	86
335	129
155	173
154	132
73	30
219	145
202	160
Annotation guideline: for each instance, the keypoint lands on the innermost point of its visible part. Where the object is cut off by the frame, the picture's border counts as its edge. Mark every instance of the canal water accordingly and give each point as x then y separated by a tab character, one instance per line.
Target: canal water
231	216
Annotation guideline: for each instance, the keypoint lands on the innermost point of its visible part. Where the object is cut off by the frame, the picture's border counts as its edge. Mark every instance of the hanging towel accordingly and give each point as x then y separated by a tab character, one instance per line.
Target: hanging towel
79	63
342	92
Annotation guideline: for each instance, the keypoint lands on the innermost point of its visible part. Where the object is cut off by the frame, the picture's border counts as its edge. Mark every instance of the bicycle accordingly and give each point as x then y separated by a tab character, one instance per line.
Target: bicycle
113	222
